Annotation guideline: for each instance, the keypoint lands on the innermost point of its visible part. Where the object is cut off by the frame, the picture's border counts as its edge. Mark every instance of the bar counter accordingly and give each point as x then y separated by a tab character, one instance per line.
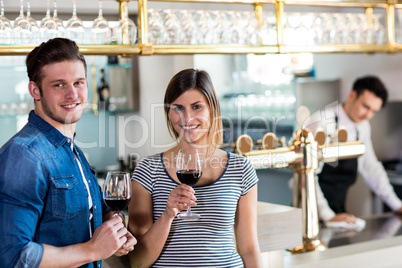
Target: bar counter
279	227
379	244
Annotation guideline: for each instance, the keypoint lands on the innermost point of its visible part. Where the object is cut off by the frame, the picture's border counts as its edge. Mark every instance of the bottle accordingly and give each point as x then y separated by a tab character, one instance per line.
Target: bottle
103	92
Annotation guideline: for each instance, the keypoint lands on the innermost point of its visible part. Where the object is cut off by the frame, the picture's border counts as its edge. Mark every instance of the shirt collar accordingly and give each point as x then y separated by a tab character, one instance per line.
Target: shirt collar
51	133
343	117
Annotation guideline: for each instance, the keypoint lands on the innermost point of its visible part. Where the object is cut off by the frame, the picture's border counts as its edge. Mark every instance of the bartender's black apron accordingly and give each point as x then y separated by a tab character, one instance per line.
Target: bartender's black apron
335	181
336	178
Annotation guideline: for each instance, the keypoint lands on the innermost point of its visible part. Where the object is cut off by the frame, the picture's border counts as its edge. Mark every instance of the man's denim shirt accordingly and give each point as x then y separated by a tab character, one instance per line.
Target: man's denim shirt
43	199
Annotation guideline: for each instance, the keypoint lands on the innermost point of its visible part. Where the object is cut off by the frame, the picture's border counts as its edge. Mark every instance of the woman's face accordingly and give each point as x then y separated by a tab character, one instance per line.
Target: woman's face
190	117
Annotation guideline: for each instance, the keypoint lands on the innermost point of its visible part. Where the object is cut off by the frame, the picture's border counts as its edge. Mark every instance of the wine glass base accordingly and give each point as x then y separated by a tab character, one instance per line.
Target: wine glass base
185	216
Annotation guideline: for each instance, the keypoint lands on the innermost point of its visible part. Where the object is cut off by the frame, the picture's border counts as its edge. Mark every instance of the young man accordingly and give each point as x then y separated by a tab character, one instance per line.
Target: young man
366	98
51	207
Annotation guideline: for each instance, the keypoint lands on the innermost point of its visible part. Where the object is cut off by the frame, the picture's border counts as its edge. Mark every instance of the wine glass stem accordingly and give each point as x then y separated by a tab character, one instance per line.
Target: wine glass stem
47	8
188	212
22	8
28	8
100	8
74	9
54	8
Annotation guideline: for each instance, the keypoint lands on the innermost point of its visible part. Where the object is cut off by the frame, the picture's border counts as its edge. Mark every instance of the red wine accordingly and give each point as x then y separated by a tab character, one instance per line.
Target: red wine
188	176
117	204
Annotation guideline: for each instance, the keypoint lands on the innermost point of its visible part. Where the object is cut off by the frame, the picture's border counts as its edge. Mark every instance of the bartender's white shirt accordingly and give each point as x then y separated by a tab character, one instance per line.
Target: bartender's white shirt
371	170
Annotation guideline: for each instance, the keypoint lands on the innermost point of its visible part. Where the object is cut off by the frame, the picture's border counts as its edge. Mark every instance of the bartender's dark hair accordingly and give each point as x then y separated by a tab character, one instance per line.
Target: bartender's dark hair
372	84
53	51
199	80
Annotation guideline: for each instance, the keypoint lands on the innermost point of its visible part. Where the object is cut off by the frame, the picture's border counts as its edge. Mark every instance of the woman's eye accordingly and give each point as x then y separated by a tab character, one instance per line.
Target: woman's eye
178	109
196	107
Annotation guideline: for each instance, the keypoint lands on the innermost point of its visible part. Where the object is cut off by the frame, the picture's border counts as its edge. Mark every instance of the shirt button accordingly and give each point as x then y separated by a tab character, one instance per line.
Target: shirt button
89	181
94	207
67	184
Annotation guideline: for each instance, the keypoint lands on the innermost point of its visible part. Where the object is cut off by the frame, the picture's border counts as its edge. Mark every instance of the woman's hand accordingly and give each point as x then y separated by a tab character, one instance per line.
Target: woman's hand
178	199
128	246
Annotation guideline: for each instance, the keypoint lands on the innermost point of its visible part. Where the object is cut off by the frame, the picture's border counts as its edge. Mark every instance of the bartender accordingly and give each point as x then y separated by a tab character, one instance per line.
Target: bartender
367	97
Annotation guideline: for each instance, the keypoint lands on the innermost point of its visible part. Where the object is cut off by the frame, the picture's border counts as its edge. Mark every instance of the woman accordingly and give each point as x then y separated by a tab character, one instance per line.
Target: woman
226	194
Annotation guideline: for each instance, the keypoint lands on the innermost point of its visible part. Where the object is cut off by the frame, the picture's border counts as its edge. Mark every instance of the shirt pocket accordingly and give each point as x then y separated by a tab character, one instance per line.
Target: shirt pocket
65	197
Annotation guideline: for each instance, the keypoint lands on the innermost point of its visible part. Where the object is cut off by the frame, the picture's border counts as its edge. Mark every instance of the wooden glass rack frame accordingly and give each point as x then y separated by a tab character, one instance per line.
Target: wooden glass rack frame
143	47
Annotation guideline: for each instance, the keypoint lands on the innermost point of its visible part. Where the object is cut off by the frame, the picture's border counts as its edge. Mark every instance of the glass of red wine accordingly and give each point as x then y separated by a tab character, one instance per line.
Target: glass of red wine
117	190
189	170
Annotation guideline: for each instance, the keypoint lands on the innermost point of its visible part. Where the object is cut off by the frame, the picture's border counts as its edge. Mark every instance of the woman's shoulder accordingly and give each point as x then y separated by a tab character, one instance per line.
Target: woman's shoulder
151	161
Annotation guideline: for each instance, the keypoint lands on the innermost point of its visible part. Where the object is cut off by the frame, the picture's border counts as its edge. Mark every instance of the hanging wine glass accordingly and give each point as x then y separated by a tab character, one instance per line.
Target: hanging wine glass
127	30
34	26
48	26
100	31
156	31
6	29
22	28
61	31
75	27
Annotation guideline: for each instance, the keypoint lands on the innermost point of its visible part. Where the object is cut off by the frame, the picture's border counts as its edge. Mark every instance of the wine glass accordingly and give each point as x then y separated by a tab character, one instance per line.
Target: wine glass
127	30
34	26
100	31
189	165
117	190
48	26
22	27
6	29
75	27
60	26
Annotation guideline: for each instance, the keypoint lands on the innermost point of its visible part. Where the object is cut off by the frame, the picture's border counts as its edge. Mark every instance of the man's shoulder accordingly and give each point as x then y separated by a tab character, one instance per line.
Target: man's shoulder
28	140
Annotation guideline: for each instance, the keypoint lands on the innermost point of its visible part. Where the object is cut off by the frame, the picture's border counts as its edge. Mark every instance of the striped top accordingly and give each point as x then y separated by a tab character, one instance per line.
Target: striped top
208	241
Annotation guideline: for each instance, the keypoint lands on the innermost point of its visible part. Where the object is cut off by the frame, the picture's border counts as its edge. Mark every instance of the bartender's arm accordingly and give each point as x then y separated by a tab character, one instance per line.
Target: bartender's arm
374	174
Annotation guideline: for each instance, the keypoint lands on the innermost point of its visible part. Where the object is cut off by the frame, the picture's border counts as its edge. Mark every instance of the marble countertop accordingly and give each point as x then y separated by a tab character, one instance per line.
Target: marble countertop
379	244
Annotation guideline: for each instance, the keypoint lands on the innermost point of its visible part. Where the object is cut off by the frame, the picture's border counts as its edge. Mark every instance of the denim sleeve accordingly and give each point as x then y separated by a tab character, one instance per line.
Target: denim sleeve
22	191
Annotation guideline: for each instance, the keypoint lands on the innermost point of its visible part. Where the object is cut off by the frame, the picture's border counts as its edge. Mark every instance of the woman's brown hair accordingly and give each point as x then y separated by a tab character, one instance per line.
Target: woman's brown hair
199	80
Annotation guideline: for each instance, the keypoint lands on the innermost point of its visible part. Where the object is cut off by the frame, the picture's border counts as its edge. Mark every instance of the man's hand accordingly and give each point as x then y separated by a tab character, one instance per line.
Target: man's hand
108	238
346	217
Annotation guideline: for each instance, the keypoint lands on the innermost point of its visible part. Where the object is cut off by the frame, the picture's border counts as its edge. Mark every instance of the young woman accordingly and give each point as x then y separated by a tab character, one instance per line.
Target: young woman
225	196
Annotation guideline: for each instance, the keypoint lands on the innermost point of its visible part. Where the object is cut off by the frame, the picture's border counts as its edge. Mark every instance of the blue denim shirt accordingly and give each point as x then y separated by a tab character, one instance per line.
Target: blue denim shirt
43	199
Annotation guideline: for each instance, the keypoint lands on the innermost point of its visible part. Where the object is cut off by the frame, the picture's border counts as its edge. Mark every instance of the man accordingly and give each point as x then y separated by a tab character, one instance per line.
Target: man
366	98
51	207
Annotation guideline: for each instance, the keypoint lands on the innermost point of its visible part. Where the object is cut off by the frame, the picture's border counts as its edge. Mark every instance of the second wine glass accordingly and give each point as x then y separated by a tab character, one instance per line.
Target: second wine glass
189	166
117	191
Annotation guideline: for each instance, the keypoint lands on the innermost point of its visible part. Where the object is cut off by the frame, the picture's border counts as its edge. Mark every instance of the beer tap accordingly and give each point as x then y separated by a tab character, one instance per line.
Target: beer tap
303	155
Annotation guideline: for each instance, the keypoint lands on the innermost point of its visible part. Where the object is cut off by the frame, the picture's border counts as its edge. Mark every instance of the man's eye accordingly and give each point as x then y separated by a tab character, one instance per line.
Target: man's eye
58	85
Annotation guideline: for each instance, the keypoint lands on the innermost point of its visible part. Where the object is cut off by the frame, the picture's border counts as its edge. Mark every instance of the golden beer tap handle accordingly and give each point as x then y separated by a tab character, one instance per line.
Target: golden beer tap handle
269	141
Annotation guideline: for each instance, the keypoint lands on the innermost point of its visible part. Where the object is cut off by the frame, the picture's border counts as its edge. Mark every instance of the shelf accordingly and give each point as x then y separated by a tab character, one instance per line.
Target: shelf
109	50
145	48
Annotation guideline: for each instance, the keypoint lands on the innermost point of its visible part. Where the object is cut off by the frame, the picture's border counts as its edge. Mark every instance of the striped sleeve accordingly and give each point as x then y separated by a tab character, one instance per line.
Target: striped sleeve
143	174
249	178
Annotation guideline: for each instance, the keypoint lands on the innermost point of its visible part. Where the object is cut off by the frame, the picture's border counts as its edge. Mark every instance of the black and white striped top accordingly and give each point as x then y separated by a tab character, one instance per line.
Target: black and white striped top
208	241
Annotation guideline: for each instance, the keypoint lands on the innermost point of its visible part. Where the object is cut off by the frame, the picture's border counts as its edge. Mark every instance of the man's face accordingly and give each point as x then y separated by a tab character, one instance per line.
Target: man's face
64	93
363	107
